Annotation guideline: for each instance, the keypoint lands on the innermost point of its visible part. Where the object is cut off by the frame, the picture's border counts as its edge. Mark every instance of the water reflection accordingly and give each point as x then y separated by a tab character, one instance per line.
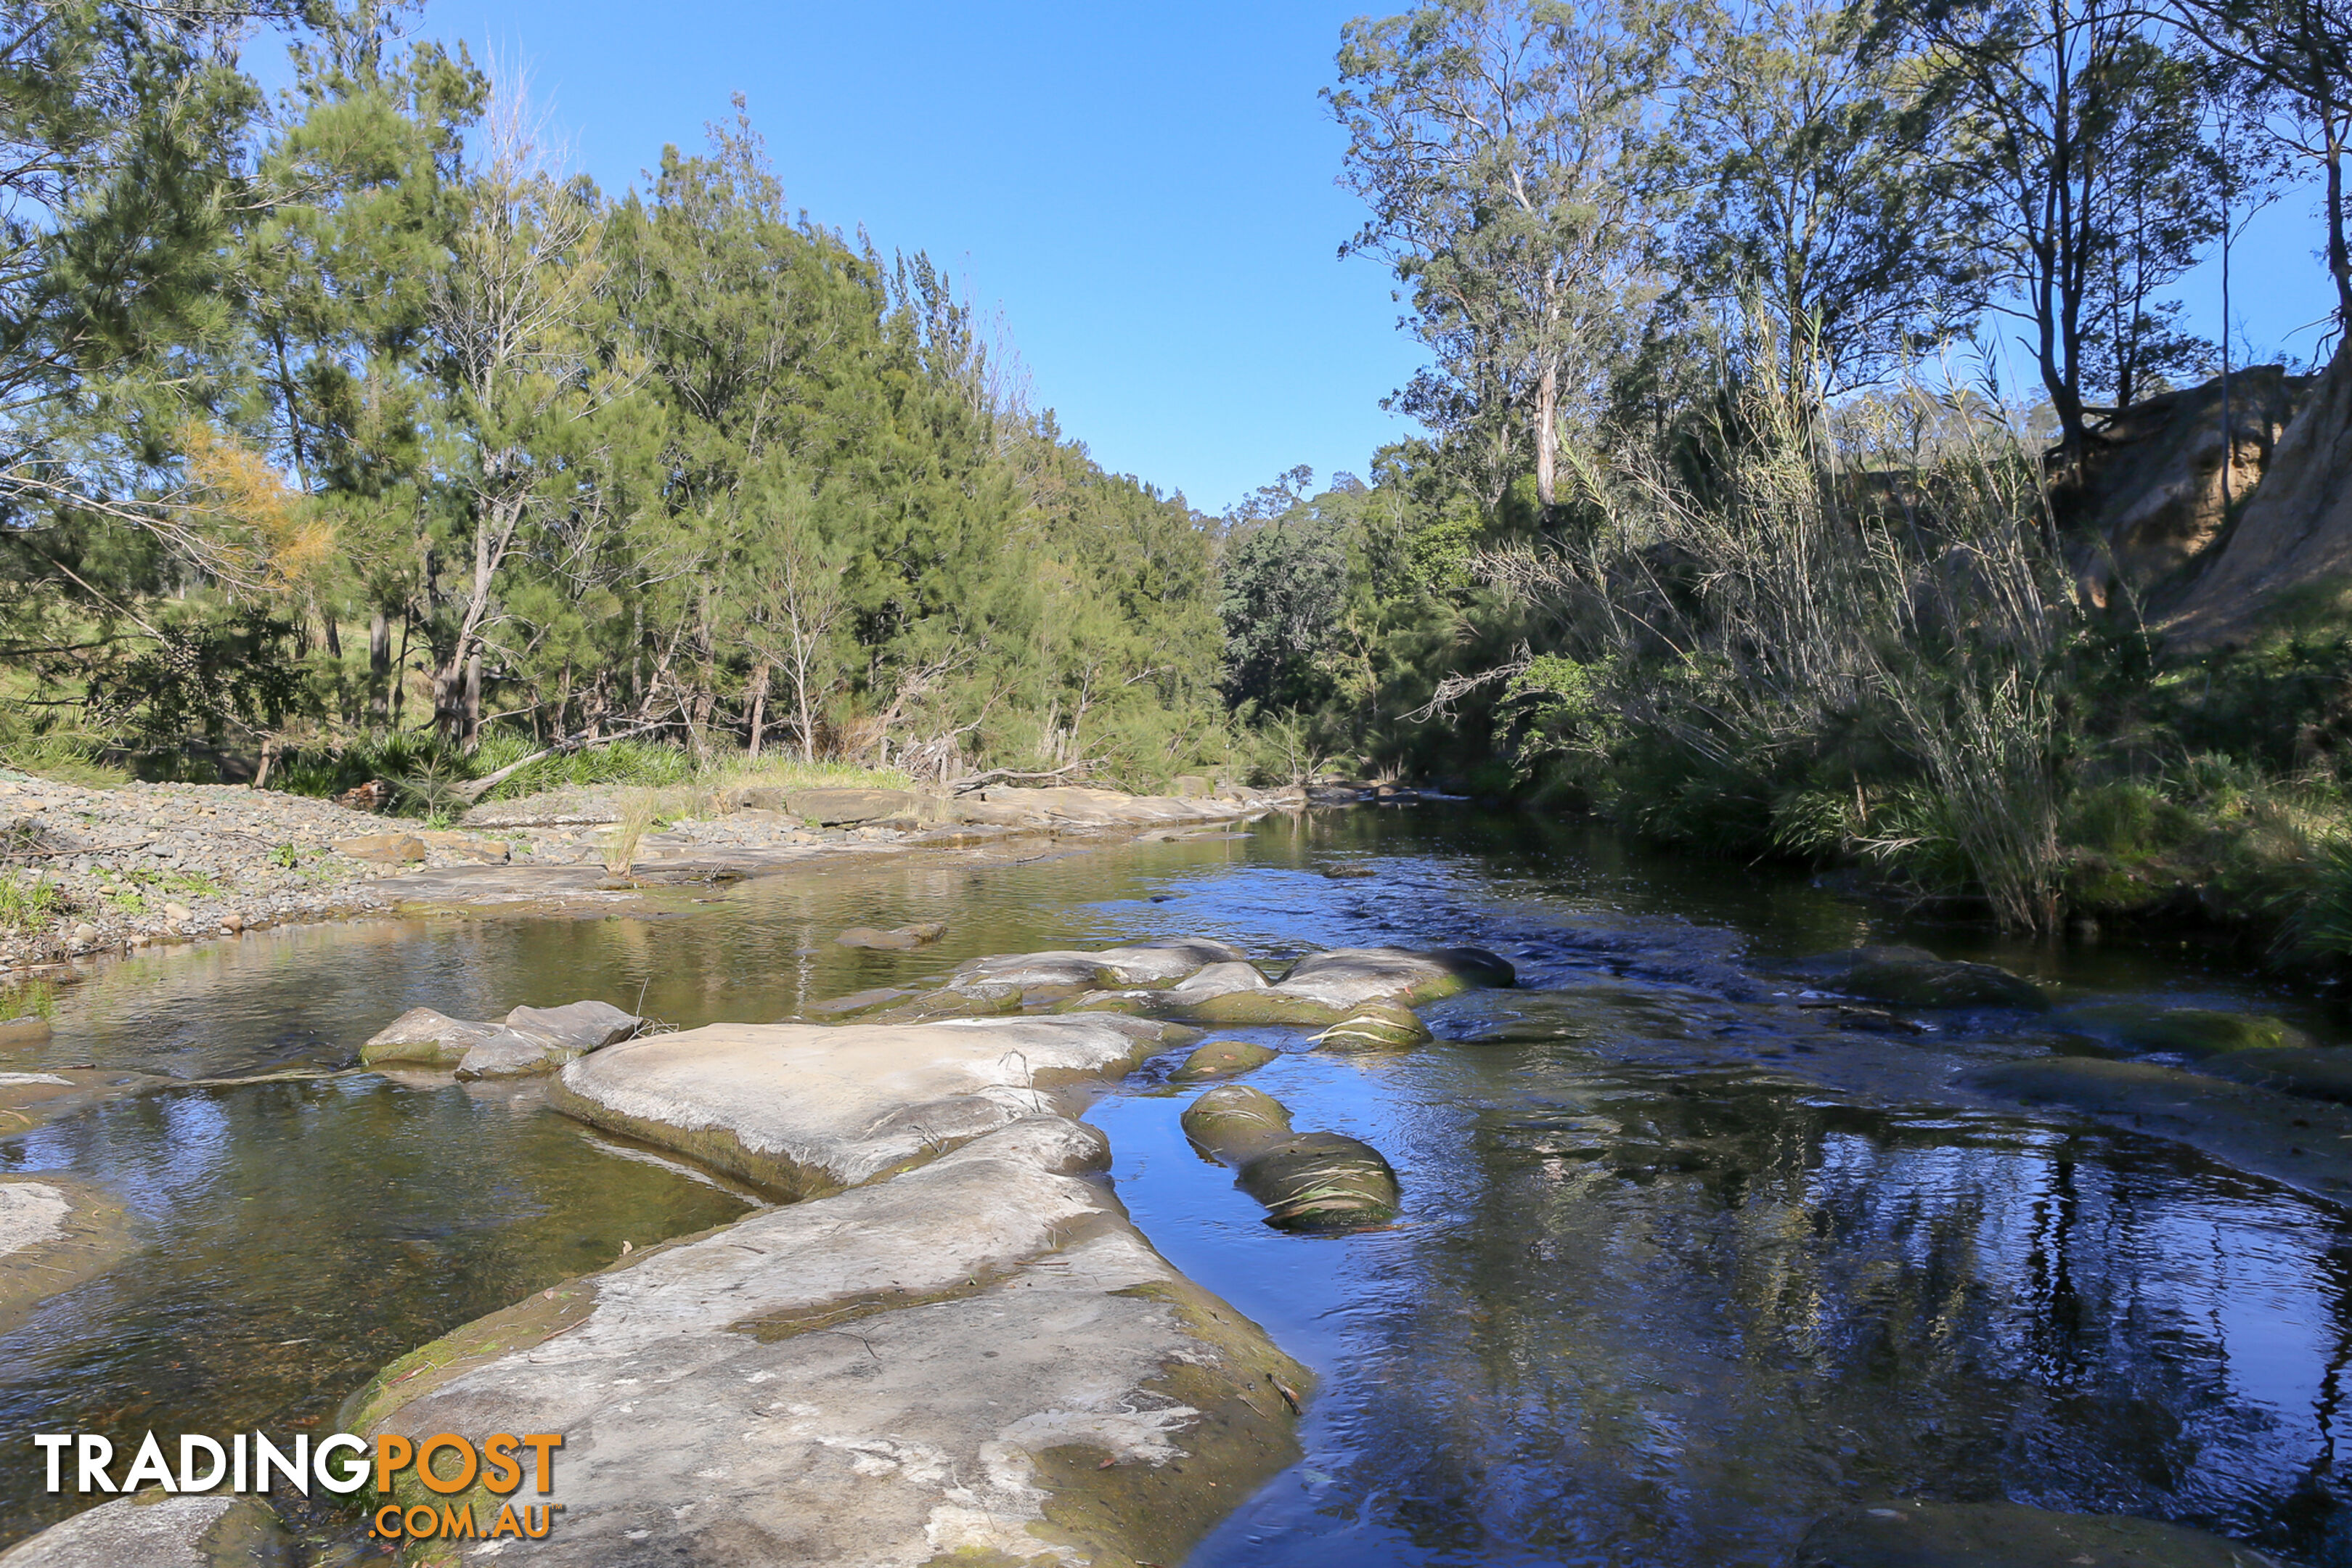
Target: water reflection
1660	1296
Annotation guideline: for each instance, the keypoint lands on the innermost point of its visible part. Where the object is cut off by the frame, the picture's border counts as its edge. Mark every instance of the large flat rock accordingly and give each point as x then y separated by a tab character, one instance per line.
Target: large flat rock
803	1109
56	1231
980	1361
155	1529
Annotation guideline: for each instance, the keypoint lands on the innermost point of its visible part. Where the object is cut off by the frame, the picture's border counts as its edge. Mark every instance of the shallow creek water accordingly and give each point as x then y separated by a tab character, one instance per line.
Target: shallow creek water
1678	1272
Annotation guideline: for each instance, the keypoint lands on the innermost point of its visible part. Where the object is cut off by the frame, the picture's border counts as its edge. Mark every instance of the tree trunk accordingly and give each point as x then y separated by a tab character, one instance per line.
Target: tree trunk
473	730
758	706
1547	438
2340	262
378	665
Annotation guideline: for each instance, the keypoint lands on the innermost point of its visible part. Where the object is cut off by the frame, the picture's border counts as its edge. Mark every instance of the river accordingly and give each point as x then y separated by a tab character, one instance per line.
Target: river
1674	1277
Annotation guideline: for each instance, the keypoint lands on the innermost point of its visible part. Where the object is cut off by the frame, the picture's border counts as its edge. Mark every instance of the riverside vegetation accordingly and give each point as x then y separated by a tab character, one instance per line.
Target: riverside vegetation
352	438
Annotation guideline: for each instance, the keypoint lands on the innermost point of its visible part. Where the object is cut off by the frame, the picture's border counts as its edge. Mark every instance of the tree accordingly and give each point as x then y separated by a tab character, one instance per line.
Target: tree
1501	145
2091	133
1829	194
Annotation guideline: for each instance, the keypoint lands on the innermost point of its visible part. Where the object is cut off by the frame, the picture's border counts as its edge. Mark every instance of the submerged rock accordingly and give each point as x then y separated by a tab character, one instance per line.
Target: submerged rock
2313	1072
1375	1026
1308	1181
508	1053
2178	1031
154	1529
922	933
981	1361
55	1232
1155	965
2301	1143
1222	1058
1907	1533
808	1109
1908	977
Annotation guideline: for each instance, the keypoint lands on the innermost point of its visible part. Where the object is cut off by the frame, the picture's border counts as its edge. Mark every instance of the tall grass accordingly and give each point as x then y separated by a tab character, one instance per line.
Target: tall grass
1816	597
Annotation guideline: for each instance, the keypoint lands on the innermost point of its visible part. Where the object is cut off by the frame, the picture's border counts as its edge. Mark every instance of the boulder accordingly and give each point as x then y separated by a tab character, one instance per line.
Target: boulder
1325	987
1907	977
1155	965
1308	1181
858	1002
154	1529
2313	1072
897	939
807	1108
1216	980
469	847
1374	1027
509	1053
980	1361
382	849
575	1028
424	1037
960	1001
1909	1534
2193	1032
1220	1058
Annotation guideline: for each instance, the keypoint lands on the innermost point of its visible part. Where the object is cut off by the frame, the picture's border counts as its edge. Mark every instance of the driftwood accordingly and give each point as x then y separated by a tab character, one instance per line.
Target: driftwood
475	789
1006	776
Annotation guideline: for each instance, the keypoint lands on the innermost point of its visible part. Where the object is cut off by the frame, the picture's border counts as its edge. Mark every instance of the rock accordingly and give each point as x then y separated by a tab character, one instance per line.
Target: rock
509	1053
154	1529
808	1109
2313	1072
232	923
980	1361
467	846
1905	977
178	914
1216	980
1325	987
85	934
2302	1142
575	1028
1220	1058
959	1001
1156	965
898	938
382	849
2178	1031
373	796
56	1232
1308	1181
424	1036
1909	1534
29	1030
858	1002
1191	786
1374	1027
840	808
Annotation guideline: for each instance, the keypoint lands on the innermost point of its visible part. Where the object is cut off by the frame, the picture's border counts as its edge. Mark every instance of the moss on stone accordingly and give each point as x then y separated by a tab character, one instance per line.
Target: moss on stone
1222	1058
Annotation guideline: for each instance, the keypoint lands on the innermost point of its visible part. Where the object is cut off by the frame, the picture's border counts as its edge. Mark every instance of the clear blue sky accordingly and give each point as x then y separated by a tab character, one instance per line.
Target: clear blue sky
1146	191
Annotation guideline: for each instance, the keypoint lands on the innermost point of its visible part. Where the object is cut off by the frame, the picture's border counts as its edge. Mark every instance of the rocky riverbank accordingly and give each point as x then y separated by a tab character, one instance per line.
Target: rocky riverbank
87	871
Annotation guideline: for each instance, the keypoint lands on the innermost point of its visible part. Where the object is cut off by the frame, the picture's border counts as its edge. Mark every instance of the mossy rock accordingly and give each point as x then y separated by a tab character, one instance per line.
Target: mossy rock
1912	1534
2311	1072
1234	1123
2137	1027
1269	1006
1222	1058
1375	1026
1322	1182
1133	1003
1937	983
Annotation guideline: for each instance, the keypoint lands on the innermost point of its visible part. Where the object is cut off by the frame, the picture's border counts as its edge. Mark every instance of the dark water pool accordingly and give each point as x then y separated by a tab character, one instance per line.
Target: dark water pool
1675	1276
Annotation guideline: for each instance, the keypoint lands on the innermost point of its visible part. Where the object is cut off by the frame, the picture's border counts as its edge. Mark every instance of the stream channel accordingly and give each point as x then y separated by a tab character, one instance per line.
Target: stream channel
1679	1271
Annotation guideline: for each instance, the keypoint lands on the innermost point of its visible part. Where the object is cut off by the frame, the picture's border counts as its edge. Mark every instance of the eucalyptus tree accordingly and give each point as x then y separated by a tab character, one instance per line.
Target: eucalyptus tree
1502	146
1830	190
2088	119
